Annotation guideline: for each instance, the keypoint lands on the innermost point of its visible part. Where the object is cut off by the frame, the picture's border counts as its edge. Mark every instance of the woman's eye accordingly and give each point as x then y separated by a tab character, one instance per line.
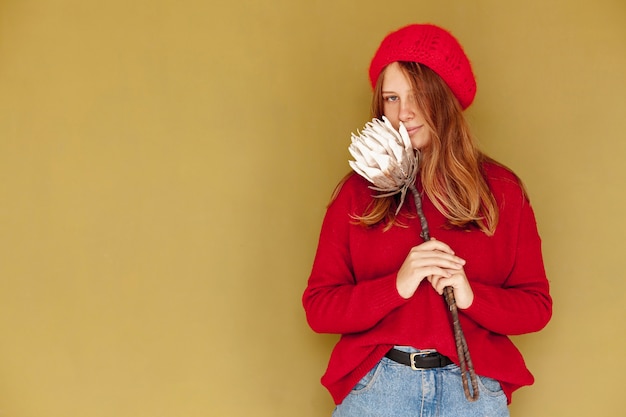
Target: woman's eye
390	99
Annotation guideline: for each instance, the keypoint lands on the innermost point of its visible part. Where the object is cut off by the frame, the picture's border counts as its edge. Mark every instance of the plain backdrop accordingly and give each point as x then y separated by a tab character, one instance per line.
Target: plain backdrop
164	171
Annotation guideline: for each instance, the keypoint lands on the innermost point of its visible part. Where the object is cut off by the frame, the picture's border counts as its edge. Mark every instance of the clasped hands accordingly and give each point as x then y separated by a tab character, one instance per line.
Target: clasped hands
435	261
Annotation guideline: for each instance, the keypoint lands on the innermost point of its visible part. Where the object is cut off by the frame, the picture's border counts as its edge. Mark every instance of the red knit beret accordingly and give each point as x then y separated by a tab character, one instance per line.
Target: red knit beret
434	47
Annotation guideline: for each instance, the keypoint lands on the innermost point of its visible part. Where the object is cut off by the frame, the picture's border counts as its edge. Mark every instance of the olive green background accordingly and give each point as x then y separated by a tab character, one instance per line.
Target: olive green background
164	170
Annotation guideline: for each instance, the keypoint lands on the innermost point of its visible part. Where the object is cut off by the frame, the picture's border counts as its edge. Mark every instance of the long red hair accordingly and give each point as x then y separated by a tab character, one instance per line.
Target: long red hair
450	165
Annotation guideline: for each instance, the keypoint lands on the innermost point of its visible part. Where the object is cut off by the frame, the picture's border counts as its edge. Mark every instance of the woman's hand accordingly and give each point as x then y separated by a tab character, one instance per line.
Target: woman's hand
433	260
463	294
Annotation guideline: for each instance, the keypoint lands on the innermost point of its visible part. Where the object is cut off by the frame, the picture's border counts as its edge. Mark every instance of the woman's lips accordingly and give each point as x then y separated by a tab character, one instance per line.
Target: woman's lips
412	130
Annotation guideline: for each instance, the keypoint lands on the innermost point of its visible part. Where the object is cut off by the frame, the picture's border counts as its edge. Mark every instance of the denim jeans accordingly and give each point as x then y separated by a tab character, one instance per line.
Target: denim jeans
391	389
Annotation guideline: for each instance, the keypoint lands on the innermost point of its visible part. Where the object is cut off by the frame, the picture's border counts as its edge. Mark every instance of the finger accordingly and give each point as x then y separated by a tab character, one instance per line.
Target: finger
435	281
434	273
452	280
463	294
434	244
440	283
441	259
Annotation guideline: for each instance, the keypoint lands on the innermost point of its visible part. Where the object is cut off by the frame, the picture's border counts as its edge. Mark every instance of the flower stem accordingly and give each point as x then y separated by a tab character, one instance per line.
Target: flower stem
425	234
462	350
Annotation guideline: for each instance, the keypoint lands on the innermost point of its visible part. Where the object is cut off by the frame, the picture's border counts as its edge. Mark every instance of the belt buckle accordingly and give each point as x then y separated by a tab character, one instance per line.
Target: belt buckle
424	352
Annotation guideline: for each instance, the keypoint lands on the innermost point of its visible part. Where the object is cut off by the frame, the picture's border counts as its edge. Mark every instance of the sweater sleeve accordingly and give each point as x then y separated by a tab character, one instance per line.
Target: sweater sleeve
334	300
523	303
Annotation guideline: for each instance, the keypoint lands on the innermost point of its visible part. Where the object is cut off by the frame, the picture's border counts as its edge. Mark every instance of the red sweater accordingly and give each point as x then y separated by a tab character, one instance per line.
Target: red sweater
352	287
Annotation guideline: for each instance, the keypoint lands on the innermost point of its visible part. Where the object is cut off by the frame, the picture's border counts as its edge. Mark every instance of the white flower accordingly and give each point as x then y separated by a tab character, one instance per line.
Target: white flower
385	157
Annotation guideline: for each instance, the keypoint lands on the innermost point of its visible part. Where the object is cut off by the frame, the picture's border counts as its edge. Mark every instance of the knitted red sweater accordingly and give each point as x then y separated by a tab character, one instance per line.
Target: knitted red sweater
352	287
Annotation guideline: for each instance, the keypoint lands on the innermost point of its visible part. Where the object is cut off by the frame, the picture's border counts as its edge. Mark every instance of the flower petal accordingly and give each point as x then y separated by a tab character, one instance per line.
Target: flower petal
385	157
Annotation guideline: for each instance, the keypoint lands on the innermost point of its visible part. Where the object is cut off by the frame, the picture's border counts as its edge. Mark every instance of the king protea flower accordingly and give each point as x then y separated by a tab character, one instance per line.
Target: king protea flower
385	157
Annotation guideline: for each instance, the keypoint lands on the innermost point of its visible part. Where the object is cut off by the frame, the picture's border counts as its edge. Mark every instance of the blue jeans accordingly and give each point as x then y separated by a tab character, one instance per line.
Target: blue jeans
391	389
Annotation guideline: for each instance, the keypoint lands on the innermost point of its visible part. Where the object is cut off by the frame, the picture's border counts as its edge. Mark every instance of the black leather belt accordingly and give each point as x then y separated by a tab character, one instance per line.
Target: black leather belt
425	359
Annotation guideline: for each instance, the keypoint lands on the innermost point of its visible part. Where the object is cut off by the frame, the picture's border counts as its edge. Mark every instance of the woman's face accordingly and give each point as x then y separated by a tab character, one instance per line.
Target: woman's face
400	105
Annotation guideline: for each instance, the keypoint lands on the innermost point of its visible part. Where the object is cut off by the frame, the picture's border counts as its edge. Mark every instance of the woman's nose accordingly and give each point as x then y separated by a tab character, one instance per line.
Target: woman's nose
407	110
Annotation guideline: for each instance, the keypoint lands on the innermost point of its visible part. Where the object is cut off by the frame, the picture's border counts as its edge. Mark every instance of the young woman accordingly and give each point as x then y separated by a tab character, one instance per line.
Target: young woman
375	282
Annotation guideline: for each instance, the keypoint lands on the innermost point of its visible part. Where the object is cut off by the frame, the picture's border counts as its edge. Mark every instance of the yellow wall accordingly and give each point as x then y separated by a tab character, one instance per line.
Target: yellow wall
164	167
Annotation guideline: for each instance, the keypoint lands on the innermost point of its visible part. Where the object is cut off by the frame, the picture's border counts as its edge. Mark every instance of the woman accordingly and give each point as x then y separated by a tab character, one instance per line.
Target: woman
375	282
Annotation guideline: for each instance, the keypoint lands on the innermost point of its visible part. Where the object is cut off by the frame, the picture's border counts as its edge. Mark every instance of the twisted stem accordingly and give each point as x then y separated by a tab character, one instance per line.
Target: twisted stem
465	360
